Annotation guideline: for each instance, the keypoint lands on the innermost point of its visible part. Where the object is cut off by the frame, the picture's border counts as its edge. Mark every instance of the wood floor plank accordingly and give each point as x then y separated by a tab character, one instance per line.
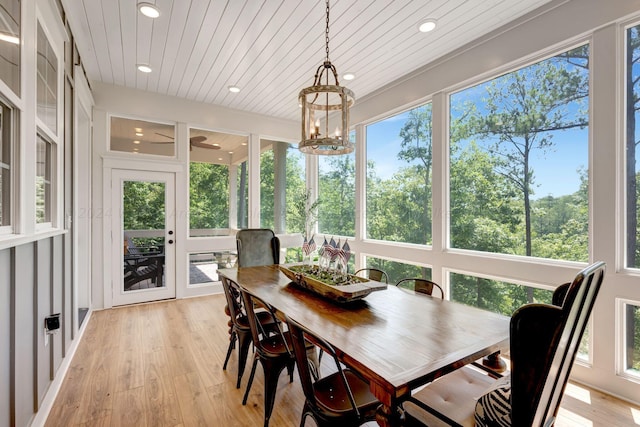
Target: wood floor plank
172	376
197	409
162	403
130	408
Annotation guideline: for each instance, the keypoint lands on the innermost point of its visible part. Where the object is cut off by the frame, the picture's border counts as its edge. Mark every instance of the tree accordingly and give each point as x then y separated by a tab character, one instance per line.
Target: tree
337	185
416	146
208	195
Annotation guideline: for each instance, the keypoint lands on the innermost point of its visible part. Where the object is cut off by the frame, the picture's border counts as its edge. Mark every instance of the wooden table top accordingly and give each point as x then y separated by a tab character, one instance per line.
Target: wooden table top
396	339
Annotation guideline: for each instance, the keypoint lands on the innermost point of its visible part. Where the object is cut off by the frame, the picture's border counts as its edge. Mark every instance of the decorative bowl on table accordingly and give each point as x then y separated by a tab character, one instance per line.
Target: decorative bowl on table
339	288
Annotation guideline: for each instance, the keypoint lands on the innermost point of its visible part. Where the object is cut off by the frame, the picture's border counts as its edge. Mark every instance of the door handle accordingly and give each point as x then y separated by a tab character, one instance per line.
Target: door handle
170	241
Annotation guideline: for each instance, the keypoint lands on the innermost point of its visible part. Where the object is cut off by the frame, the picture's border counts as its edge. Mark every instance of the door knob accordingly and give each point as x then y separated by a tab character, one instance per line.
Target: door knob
170	241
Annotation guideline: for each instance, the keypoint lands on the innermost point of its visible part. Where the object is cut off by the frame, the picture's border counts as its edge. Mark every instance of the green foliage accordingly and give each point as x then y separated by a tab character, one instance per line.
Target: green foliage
337	184
143	205
493	295
208	196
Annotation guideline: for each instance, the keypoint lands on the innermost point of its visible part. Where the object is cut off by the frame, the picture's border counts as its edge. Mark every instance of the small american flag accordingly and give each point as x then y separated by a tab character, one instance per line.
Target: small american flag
308	246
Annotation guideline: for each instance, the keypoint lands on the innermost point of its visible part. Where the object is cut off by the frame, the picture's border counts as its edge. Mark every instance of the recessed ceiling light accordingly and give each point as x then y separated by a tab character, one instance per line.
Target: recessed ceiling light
148	9
219	158
230	152
144	68
349	76
244	143
136	142
427	25
139	134
234	89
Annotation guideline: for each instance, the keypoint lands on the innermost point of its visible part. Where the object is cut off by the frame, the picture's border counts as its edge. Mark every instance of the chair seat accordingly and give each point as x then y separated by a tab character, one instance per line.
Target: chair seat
454	394
331	394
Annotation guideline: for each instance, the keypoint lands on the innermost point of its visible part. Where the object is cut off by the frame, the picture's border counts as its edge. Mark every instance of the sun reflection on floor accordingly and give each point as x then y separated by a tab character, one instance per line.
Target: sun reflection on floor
577	392
635	414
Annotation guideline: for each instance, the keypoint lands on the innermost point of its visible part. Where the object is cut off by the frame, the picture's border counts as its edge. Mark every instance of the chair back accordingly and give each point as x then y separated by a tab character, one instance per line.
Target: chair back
299	337
373	274
420	285
234	300
257	246
544	343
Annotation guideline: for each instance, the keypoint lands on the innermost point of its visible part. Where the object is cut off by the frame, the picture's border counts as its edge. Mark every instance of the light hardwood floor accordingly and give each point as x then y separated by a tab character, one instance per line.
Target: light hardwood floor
160	364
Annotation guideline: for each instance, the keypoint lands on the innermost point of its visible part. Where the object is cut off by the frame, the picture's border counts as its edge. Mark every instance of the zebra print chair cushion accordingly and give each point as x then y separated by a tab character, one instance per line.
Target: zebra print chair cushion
493	408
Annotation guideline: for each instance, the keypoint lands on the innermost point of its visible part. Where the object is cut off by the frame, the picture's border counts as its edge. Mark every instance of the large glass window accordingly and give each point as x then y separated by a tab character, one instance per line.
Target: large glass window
142	137
212	156
282	187
43	180
519	158
337	193
398	270
10	43
632	116
399	161
47	70
6	142
504	298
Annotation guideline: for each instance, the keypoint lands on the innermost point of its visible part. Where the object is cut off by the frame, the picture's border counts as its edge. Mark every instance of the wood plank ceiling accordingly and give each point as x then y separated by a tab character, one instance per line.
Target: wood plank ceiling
271	48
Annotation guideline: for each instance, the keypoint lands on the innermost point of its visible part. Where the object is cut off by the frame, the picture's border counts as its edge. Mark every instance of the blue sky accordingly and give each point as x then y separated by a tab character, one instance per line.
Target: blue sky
555	172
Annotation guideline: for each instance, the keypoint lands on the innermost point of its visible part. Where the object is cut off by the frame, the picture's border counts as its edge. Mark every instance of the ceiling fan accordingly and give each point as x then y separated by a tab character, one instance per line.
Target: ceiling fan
194	141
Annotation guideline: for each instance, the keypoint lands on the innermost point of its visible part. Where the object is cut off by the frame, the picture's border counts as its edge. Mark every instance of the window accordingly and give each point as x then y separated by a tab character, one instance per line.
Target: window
399	160
10	44
142	137
632	338
493	295
632	88
337	193
47	71
203	266
6	142
398	270
282	187
43	180
518	161
242	207
212	156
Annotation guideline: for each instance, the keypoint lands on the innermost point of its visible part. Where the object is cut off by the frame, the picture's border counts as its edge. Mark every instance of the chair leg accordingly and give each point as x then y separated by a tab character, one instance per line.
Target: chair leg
244	341
272	371
232	345
253	372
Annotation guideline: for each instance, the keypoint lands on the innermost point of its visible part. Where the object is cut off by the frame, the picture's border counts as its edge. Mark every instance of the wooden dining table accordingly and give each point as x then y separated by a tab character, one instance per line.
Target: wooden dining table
396	340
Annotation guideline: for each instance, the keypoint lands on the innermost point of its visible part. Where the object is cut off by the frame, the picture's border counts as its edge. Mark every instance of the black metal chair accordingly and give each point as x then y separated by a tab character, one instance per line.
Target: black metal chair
373	274
273	351
240	329
544	341
420	285
339	399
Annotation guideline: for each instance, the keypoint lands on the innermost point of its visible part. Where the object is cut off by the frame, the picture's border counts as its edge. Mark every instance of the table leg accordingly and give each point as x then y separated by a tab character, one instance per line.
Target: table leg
390	416
494	362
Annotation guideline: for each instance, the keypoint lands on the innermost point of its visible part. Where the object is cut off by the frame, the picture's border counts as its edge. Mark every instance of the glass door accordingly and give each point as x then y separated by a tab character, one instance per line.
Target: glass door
144	238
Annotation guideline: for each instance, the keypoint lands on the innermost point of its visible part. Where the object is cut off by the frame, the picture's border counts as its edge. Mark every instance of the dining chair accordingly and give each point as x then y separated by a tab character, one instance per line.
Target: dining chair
544	341
339	399
420	285
273	351
373	274
257	246
240	329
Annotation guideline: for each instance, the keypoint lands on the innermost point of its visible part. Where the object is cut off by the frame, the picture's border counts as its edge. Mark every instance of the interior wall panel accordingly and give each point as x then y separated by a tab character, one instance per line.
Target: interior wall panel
57	295
43	300
5	337
23	334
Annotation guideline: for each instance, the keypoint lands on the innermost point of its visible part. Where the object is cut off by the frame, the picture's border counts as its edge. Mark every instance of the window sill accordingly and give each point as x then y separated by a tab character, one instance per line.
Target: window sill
12	240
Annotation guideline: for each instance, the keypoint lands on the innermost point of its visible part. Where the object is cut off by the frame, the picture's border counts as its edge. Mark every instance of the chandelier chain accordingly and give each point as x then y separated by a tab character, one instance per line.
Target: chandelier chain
326	31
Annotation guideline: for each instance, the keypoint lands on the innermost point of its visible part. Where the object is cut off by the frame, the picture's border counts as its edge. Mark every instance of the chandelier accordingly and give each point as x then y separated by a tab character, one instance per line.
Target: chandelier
325	110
